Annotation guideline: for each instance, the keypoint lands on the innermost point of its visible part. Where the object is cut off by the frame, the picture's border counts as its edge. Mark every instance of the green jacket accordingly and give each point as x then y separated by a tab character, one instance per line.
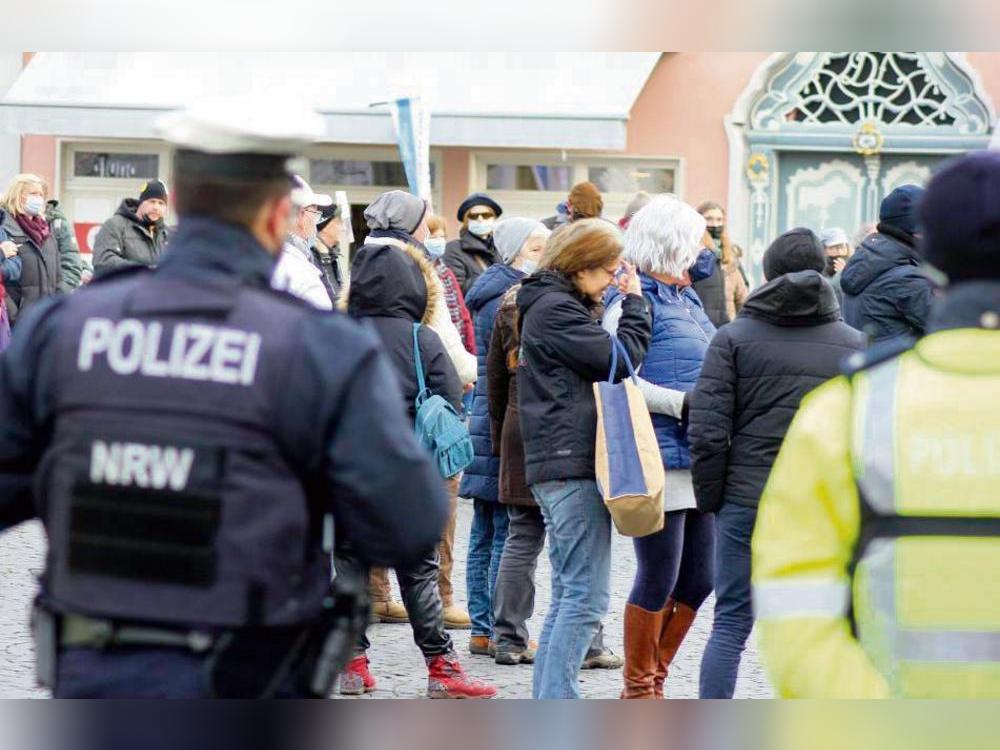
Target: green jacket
69	253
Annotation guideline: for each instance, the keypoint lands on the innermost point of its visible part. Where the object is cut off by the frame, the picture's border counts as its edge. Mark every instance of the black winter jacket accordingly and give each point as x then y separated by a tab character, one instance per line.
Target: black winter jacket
41	272
389	289
124	240
885	294
786	341
468	257
564	352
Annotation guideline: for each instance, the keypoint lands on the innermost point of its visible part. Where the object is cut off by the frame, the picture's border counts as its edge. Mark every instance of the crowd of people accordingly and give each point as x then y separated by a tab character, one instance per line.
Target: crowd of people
511	323
40	252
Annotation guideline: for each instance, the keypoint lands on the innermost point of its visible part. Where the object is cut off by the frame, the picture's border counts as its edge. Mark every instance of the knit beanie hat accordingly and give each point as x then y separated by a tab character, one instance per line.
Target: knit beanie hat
960	218
899	208
478	199
396	209
509	236
797	249
153	189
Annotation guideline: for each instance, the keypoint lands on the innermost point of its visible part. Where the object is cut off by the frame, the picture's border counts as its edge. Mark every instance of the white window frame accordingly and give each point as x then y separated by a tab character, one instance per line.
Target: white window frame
365	194
614	203
67	148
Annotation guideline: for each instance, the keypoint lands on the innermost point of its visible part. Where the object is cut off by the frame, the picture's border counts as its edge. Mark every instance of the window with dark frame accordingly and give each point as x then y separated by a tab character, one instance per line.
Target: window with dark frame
116	166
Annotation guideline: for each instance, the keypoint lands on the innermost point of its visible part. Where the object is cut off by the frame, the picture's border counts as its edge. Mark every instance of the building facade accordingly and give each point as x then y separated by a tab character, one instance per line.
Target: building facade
780	139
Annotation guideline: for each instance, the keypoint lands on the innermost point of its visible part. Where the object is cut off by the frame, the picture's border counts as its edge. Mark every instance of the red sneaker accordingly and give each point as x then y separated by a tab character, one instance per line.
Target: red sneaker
356	679
445	679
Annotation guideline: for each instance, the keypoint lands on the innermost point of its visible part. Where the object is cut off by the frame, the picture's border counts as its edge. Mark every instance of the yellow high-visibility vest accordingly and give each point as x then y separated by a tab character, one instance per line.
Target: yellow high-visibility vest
876	553
925	447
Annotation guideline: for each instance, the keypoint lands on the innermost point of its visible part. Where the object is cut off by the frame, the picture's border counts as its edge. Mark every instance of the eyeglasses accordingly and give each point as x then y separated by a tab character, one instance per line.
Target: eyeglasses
612	272
480	215
313	211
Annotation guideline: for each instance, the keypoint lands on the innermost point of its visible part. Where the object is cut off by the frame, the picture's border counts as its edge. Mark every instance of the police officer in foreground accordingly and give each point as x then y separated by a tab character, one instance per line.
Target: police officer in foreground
194	442
877	548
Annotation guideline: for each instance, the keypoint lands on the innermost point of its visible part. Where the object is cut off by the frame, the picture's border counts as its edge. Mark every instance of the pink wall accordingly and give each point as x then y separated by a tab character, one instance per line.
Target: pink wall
680	113
38	156
456	168
987	65
38	152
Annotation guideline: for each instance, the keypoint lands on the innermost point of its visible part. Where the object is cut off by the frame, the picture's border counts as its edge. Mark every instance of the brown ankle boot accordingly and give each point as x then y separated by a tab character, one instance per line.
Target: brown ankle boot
677	620
642	631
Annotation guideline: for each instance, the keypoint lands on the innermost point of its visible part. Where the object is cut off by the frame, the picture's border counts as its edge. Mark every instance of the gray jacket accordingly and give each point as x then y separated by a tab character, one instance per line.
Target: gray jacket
125	241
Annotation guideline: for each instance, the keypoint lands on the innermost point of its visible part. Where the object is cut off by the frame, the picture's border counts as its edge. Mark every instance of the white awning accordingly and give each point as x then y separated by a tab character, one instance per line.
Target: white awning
491	99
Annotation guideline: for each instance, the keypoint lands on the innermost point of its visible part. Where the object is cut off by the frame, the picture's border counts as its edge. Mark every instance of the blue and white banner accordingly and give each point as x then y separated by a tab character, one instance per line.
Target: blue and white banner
412	122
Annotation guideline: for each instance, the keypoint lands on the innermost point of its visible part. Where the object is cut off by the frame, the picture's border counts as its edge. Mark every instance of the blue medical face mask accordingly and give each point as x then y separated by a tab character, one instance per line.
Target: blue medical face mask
435	246
33	205
481	227
529	266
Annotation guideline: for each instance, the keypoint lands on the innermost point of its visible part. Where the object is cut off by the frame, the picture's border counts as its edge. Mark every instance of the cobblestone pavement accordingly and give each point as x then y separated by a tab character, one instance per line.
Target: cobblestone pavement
22	552
396	662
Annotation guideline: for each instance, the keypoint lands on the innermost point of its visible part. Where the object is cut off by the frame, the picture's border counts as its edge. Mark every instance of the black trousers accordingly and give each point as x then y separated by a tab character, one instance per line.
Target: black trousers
418	586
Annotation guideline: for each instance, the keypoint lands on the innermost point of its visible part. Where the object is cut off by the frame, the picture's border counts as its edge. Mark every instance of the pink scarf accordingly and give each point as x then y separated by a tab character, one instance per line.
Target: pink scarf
35	227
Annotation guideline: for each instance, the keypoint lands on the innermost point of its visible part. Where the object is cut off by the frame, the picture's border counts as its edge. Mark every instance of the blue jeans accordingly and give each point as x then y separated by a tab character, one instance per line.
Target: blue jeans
486	541
579	530
733	603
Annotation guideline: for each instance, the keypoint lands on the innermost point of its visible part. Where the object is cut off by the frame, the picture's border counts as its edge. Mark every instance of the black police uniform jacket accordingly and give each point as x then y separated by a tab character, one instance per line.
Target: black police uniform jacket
183	432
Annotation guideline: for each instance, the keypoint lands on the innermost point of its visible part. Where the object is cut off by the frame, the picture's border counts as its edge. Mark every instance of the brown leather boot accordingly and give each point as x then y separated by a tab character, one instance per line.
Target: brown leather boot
642	631
677	620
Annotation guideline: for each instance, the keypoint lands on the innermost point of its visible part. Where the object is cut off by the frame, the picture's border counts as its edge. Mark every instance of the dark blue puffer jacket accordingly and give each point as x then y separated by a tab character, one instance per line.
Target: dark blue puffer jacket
886	296
483	300
681	334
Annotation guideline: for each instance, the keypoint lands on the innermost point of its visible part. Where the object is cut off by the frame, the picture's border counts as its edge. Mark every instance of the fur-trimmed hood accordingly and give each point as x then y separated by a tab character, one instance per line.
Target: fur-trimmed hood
391	278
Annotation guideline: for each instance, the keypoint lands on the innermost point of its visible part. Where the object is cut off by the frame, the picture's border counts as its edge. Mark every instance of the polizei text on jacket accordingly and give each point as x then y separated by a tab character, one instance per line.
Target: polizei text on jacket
191	351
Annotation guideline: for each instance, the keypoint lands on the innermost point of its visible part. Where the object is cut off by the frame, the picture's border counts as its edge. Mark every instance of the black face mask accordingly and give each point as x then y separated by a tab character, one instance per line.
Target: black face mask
716	232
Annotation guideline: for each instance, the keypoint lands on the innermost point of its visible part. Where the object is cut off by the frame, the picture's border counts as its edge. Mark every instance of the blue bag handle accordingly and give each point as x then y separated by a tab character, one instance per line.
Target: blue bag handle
615	346
421	385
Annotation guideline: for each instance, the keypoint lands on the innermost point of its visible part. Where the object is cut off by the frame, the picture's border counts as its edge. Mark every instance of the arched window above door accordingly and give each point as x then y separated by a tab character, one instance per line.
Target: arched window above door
819	138
899	92
888	87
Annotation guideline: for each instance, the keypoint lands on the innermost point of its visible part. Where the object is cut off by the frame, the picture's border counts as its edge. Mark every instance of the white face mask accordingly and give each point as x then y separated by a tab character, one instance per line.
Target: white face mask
529	266
481	227
435	246
33	205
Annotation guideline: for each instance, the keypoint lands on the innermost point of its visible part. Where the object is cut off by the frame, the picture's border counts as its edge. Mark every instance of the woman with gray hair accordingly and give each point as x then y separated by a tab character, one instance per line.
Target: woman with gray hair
675	565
